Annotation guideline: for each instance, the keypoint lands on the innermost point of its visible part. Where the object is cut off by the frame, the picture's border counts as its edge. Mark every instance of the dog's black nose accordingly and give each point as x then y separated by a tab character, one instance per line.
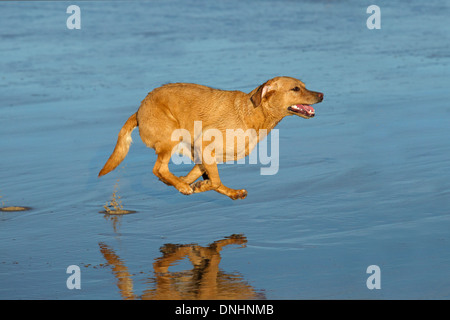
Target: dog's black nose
320	95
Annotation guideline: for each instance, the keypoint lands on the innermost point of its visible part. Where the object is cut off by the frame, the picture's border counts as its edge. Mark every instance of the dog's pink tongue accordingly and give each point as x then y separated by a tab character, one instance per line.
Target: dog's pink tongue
307	108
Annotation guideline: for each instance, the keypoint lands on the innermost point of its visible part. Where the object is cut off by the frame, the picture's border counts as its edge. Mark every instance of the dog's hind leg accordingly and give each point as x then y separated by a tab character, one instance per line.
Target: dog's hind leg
161	170
156	171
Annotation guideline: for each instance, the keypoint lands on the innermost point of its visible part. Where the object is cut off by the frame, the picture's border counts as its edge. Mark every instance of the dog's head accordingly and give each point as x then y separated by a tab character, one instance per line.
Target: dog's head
284	96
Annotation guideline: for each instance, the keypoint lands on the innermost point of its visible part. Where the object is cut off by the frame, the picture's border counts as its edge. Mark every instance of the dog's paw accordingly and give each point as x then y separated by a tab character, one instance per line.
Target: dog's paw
239	194
185	189
201	186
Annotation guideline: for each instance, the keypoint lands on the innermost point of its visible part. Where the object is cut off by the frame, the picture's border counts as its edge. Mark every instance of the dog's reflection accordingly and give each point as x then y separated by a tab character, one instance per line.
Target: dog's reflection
204	282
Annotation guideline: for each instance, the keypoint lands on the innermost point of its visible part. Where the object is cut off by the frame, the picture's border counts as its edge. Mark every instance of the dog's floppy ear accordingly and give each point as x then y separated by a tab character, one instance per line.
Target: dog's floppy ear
260	93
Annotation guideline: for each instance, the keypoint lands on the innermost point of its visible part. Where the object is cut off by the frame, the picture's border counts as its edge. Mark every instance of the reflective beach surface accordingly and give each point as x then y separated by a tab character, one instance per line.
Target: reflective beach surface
365	182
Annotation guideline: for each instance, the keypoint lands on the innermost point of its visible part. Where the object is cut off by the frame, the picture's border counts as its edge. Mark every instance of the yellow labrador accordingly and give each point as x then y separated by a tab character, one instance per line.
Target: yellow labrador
180	105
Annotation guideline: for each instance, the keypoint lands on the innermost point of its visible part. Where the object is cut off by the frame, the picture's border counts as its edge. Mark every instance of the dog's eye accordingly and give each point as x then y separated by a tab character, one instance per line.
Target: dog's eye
295	89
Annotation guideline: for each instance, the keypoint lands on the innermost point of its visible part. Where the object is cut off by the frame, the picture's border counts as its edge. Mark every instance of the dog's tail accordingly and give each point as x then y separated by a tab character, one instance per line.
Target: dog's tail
122	146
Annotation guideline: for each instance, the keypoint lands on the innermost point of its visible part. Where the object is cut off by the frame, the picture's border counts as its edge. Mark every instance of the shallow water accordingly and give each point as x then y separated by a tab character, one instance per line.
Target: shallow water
366	182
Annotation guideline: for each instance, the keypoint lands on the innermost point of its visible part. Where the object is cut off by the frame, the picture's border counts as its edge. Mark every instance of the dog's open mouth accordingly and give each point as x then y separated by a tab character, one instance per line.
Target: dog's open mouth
303	110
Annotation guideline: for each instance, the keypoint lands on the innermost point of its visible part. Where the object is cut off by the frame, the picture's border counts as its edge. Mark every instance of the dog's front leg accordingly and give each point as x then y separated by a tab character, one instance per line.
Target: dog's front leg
232	193
214	183
208	184
197	171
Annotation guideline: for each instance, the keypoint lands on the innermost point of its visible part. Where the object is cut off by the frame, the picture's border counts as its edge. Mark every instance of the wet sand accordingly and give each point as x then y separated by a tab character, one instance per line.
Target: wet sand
365	182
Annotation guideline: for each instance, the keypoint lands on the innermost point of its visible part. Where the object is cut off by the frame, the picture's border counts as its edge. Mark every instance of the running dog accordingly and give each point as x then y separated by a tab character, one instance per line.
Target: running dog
178	105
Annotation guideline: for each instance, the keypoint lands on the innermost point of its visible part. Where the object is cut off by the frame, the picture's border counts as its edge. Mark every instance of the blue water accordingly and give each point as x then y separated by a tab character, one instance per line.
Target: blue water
365	182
